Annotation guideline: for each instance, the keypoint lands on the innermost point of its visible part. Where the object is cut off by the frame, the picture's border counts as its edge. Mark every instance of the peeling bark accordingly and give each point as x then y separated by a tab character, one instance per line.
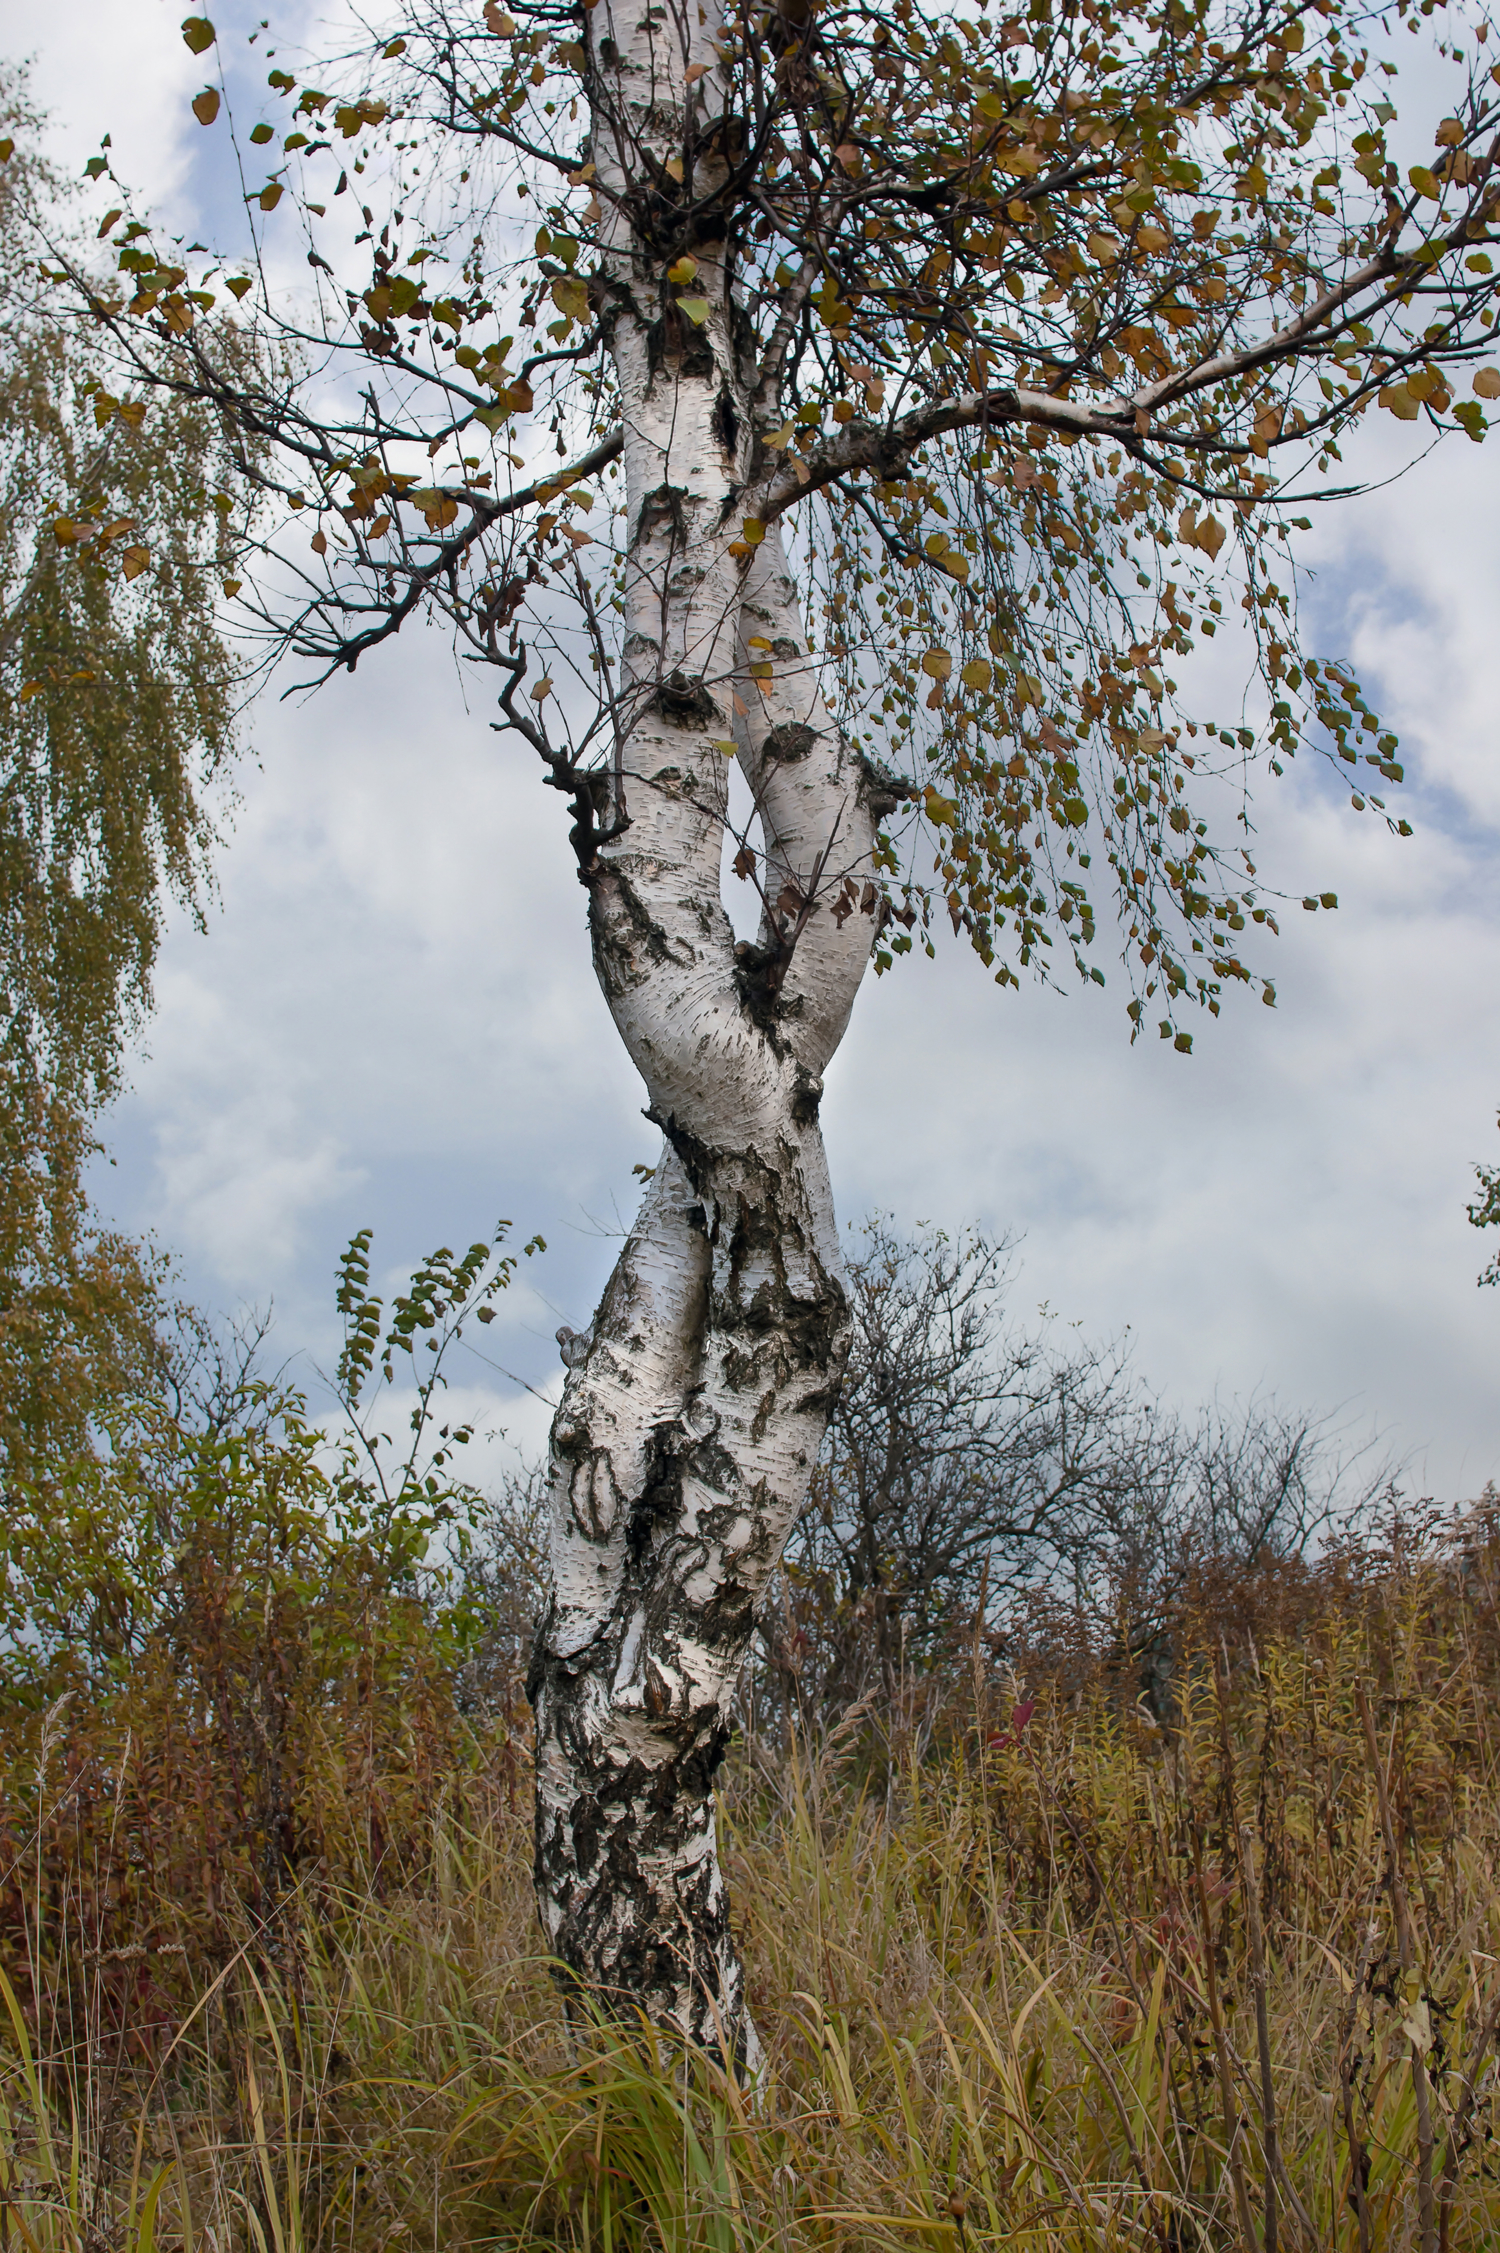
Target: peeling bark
695	1405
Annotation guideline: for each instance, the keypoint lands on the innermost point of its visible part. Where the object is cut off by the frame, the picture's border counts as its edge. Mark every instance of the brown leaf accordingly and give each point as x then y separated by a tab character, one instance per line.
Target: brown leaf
134	561
205	109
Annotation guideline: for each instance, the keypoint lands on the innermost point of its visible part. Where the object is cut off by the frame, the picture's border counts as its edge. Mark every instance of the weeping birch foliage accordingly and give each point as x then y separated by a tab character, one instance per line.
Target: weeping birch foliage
1059	322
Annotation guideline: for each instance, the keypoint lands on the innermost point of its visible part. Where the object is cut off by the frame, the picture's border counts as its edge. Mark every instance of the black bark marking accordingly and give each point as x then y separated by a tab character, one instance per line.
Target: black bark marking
662	504
616	935
684	702
790	742
880	791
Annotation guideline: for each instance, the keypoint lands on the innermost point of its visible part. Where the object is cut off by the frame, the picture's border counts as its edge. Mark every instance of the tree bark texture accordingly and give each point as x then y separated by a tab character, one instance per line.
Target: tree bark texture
695	1405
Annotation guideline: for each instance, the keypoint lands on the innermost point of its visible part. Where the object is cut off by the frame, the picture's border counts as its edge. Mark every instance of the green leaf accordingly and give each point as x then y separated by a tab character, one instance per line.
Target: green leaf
198	34
696	308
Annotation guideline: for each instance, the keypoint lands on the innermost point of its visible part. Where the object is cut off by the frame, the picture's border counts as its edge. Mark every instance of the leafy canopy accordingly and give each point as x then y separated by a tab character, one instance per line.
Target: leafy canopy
1048	323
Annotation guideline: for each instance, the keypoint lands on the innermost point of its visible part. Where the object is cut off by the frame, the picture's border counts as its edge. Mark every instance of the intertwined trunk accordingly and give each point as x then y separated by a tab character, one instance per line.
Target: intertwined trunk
695	1405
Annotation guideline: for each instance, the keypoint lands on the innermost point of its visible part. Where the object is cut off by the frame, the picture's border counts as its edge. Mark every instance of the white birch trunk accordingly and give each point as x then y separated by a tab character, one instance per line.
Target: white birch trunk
694	1407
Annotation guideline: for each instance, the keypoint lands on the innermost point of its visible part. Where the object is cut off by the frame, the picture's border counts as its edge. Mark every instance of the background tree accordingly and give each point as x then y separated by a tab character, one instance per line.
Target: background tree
949	374
117	702
972	1467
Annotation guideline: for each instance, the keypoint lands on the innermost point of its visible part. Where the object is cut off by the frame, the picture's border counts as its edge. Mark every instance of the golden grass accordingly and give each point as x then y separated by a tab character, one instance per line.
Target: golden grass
1107	1984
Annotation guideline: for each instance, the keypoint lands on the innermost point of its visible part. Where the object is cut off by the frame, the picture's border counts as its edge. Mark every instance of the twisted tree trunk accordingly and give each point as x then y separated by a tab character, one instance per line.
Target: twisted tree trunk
695	1405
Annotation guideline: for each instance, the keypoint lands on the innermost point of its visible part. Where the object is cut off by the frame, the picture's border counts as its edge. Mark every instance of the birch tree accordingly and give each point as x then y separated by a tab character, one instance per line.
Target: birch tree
117	711
925	389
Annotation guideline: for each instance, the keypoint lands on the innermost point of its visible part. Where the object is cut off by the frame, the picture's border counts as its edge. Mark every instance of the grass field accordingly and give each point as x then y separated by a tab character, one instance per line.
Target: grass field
1223	1977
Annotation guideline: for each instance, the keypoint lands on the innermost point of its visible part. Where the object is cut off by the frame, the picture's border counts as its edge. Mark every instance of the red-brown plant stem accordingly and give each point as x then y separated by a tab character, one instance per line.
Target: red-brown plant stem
1406	1947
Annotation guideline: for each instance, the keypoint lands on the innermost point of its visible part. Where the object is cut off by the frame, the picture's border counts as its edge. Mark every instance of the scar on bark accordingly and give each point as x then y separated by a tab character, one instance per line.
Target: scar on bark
683	700
726	423
662	502
881	792
790	742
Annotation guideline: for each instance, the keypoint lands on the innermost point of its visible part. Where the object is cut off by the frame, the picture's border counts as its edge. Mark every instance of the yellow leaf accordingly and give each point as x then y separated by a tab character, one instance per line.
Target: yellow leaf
1449	133
133	413
696	309
693	73
67	533
937	544
239	286
541	692
1487	383
937	664
752	532
270	195
939	809
976	674
1104	248
683	271
379	528
205	109
134	561
1424	182
197	34
32	688
1397	400
232	587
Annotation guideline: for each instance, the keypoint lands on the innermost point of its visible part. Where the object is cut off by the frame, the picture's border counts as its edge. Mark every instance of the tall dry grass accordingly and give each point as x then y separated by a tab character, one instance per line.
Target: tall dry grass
1223	1977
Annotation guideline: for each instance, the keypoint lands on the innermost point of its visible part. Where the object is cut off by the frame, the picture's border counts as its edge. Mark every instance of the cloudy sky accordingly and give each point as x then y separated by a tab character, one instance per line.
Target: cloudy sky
391	1020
